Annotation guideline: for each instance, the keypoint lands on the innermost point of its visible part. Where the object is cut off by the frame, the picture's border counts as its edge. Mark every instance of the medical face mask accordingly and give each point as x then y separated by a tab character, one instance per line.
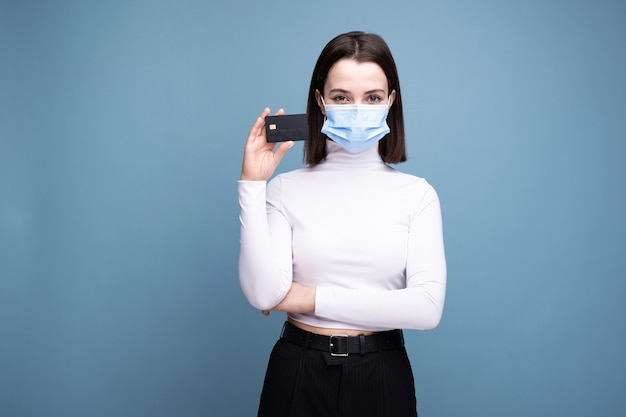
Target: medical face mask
355	127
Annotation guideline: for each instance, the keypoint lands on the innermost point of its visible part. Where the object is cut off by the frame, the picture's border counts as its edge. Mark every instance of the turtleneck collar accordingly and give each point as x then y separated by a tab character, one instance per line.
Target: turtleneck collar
336	156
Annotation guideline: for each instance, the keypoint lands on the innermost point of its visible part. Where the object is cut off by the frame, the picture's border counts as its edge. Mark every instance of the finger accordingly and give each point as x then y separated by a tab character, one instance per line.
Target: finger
257	128
282	150
266	313
280	112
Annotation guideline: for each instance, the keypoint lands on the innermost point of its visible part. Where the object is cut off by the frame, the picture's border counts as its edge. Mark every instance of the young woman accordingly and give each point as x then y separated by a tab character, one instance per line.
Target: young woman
349	247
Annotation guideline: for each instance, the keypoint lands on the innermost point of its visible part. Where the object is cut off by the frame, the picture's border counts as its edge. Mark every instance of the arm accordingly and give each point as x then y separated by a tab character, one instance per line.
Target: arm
265	264
420	304
263	279
264	276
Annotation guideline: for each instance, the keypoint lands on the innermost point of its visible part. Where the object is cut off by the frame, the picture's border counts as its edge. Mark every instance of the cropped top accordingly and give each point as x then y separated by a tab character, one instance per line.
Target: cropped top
366	235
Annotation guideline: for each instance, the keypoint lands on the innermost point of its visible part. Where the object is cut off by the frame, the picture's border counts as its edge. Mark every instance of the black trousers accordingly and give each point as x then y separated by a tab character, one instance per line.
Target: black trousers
303	382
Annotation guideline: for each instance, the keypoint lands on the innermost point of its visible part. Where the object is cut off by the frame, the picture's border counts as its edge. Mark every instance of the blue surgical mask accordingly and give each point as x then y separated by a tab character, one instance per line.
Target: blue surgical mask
355	127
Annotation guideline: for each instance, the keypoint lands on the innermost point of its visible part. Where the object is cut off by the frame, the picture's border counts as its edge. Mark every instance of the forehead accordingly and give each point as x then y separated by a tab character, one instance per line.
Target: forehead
350	75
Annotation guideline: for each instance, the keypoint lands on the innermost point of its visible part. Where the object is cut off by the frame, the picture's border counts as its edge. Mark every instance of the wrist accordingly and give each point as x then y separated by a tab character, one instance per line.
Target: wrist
245	178
306	299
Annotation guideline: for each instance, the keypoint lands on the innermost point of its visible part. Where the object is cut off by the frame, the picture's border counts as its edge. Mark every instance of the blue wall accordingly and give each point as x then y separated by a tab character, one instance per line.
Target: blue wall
122	125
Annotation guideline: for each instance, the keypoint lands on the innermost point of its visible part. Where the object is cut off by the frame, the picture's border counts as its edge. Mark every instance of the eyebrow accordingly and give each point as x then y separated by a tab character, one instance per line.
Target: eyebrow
341	90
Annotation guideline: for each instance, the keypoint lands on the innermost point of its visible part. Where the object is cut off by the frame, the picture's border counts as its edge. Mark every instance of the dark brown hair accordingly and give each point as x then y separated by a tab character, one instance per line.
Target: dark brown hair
362	47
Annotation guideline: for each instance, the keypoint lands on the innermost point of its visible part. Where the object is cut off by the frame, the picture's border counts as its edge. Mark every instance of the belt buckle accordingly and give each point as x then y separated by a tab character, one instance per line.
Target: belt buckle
335	348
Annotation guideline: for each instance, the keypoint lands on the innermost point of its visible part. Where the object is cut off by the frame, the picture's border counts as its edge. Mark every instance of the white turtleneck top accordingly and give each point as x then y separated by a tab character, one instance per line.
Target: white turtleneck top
366	235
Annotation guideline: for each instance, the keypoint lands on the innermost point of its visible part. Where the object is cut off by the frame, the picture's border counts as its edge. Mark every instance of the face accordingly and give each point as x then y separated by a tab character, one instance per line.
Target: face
352	82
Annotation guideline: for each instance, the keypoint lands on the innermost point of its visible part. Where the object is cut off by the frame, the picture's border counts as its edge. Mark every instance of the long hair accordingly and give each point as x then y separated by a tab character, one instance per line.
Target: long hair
362	47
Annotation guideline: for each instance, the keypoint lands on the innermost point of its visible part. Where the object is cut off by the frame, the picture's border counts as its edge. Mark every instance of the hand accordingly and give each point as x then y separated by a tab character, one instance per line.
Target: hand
299	299
259	158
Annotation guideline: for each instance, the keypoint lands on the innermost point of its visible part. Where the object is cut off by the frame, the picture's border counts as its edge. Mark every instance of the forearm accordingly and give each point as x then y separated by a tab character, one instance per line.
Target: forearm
420	304
410	308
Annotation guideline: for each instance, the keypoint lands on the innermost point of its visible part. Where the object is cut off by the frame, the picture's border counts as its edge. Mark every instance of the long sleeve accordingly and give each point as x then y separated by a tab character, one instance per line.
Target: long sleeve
369	238
420	304
265	266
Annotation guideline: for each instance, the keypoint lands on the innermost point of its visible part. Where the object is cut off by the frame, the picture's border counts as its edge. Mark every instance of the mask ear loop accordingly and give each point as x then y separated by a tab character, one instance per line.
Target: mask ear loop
324	103
389	102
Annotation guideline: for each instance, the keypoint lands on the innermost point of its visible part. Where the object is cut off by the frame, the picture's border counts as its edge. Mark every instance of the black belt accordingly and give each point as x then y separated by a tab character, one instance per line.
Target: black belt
343	345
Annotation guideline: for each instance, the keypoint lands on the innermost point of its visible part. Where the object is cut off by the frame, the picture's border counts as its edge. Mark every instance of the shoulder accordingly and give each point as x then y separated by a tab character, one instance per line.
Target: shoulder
295	175
418	188
277	184
410	179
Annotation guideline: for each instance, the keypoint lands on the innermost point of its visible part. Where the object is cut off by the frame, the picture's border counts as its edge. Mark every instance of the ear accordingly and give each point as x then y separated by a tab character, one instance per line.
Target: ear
392	98
320	104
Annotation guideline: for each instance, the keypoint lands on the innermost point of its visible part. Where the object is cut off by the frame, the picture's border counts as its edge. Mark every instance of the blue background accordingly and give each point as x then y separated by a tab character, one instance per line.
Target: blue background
122	125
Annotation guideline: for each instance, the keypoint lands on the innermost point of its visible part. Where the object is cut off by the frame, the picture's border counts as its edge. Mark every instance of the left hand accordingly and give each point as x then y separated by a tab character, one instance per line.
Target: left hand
299	299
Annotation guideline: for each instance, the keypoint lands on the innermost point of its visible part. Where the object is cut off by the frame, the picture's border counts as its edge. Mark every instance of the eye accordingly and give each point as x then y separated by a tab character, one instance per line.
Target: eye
374	99
339	99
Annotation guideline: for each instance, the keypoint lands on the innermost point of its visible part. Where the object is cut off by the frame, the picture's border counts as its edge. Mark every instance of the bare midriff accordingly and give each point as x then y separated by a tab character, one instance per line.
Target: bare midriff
329	332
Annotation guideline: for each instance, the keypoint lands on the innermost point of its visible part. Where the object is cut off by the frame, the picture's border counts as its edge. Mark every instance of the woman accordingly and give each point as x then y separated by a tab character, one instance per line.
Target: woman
349	247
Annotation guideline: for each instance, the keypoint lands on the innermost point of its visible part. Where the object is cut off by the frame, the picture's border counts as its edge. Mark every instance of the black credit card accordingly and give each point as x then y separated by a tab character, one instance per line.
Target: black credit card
286	127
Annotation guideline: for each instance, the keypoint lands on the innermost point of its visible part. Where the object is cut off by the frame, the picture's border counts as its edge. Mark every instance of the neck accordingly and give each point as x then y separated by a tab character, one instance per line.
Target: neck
338	156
